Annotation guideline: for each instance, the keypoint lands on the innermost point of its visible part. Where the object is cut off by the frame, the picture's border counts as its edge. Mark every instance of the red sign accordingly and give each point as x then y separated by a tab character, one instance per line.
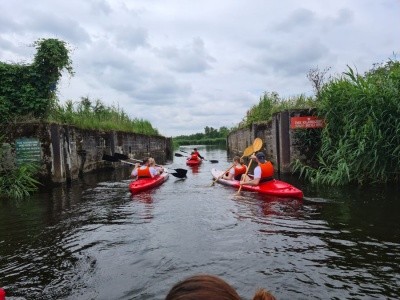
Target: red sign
306	122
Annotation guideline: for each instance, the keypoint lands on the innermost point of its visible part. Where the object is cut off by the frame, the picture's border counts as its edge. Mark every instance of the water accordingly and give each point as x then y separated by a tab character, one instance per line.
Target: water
93	240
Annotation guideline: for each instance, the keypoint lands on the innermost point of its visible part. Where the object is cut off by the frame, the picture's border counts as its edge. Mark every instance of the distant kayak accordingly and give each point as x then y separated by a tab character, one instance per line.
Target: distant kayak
273	187
193	162
143	184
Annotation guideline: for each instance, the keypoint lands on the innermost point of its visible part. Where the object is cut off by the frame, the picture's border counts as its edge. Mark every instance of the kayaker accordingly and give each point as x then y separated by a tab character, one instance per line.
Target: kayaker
194	156
205	287
197	153
237	170
144	170
262	173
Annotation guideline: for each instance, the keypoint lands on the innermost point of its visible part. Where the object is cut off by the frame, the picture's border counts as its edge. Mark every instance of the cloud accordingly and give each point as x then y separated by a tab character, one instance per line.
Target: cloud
187	65
191	58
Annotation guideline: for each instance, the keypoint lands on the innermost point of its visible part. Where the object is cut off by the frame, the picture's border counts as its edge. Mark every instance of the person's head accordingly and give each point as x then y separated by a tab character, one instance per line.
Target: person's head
236	159
260	157
202	287
206	287
194	149
152	162
145	161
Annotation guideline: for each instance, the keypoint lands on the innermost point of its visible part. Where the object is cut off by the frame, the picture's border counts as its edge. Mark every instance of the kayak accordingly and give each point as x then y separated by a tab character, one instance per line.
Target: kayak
143	184
193	162
273	187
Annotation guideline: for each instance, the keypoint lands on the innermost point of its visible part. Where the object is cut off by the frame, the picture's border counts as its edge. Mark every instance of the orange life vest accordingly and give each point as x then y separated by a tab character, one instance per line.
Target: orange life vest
144	173
267	169
239	170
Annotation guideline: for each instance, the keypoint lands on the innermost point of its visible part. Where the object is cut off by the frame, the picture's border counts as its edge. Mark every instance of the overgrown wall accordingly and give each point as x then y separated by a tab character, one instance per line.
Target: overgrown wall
279	143
66	152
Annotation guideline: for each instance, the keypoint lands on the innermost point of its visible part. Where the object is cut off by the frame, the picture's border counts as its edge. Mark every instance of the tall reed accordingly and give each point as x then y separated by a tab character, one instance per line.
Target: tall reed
361	140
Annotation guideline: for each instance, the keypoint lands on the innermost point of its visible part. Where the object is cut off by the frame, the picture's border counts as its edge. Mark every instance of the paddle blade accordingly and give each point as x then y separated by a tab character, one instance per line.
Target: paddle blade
109	158
178	175
181	171
121	156
257	144
248	151
178	155
213	161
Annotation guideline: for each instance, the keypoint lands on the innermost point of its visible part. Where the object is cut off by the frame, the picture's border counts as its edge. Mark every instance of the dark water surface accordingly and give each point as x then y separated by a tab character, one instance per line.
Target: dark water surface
93	240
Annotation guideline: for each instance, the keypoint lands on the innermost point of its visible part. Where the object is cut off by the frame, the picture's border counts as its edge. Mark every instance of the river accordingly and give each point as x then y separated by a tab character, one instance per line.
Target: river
92	240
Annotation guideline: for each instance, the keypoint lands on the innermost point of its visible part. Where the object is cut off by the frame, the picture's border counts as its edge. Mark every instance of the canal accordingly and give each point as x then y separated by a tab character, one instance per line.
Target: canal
93	240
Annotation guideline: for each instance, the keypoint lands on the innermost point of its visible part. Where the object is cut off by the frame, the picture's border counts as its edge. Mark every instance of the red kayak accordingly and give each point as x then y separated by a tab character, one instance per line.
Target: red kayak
143	184
193	162
273	187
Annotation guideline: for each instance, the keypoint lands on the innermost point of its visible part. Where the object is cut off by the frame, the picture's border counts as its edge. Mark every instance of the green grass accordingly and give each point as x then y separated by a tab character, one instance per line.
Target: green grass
86	115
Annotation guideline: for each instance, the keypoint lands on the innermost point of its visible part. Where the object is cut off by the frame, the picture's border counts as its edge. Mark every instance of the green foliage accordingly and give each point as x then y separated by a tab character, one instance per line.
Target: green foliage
30	89
270	103
19	182
97	115
211	136
361	140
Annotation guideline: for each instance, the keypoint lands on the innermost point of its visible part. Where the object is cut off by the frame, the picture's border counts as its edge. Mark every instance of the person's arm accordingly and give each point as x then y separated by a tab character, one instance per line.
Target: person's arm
254	181
230	174
135	171
256	178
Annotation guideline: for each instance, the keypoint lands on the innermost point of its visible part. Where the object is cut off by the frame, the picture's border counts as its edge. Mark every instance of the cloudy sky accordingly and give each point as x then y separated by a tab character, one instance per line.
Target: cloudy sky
184	65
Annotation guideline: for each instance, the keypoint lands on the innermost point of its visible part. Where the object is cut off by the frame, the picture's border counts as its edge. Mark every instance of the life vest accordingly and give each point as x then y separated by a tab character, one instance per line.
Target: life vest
267	170
239	170
144	173
194	156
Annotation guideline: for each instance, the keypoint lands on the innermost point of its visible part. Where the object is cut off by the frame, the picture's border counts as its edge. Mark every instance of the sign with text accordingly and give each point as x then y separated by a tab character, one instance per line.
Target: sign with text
28	150
306	122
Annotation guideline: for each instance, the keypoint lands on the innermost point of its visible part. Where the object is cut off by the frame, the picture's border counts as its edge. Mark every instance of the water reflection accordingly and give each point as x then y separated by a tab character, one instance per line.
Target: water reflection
94	240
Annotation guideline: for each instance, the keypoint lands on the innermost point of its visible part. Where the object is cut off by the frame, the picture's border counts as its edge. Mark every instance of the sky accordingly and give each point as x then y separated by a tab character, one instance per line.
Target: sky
184	65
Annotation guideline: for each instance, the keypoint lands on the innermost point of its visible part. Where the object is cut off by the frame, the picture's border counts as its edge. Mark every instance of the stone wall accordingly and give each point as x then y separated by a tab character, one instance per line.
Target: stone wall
279	143
66	152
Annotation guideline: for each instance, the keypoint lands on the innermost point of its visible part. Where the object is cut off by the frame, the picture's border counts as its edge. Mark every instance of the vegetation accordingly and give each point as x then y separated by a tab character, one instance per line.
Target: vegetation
211	136
19	182
271	103
361	140
85	114
30	89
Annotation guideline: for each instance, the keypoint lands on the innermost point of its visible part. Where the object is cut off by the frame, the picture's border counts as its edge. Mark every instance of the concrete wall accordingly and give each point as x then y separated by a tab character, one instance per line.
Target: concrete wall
67	152
279	144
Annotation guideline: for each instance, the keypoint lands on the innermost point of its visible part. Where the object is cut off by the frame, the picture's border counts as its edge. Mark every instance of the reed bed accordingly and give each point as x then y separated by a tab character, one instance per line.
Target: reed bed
361	140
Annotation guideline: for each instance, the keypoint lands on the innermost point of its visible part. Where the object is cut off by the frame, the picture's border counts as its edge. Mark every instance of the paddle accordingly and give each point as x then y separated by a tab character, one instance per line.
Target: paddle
125	157
257	144
248	151
213	161
180	173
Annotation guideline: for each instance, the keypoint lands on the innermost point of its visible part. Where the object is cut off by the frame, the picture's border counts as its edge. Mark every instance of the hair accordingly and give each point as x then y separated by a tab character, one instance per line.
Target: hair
152	162
145	160
206	287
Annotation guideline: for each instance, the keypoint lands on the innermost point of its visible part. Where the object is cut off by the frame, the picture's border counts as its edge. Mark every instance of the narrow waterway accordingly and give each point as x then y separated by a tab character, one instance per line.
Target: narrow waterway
93	240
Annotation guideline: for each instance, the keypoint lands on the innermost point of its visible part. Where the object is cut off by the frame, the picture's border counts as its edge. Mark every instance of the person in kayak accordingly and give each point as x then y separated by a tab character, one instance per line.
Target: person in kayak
197	153
205	287
262	173
144	170
194	156
237	170
152	164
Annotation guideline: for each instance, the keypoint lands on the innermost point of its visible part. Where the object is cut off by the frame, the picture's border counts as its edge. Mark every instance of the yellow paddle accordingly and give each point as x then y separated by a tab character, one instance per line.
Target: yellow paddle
257	144
248	151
